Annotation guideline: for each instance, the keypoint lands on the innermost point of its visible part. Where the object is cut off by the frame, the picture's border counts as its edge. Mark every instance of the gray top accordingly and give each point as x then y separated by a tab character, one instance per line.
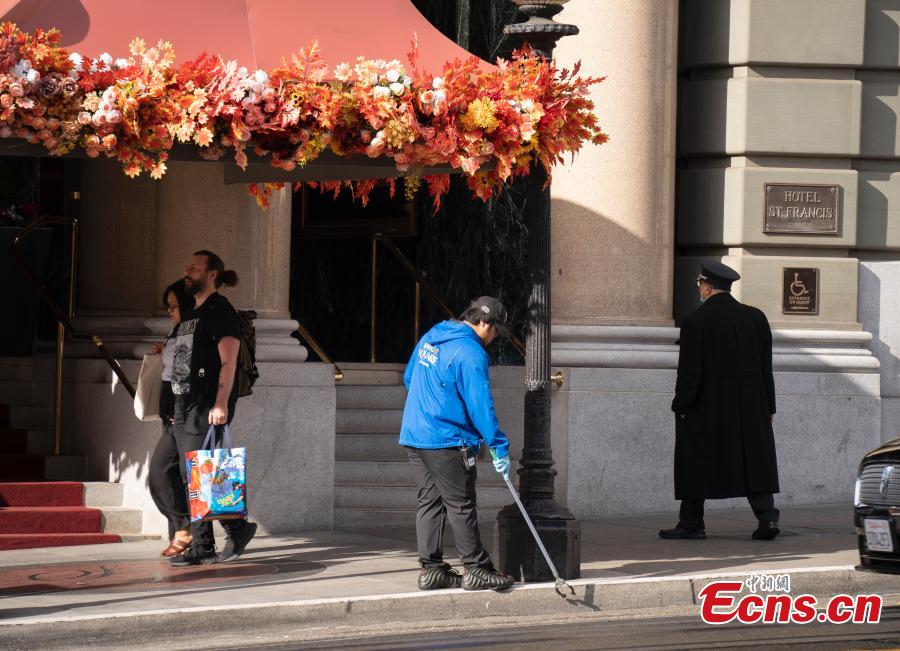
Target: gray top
168	358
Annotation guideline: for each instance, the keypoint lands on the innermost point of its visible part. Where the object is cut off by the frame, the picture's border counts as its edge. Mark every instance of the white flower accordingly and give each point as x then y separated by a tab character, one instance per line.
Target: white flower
107	59
93	66
33	76
397	88
527	105
381	91
393	76
440	96
342	72
438	83
77	61
406	82
260	77
121	63
22	67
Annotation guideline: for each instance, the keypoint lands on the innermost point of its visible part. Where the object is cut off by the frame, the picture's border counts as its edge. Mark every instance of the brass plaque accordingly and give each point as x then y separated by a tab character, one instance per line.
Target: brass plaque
802	209
800	291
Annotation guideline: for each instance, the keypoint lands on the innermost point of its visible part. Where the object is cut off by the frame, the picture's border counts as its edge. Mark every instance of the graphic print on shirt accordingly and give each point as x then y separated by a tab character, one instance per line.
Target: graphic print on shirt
184	350
428	355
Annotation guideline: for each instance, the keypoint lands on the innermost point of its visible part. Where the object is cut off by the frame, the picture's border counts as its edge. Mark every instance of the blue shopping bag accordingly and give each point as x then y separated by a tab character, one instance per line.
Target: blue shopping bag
217	479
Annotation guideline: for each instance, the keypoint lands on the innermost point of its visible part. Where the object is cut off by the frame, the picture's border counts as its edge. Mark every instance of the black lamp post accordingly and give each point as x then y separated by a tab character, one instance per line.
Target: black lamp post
517	552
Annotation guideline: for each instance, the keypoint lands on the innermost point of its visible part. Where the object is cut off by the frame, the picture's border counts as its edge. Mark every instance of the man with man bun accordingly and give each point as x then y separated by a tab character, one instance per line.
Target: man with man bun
203	381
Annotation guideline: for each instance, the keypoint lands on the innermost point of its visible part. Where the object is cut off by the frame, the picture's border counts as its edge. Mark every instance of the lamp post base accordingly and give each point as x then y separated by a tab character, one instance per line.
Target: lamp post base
519	555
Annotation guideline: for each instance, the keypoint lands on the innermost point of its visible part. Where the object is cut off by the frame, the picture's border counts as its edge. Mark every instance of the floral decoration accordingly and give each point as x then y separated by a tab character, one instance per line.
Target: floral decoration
489	125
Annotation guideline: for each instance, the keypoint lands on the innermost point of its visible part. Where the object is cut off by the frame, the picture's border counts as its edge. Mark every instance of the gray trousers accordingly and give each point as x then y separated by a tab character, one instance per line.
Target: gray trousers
446	491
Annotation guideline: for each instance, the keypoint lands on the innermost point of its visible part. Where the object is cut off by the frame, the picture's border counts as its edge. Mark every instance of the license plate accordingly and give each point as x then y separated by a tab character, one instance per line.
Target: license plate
878	535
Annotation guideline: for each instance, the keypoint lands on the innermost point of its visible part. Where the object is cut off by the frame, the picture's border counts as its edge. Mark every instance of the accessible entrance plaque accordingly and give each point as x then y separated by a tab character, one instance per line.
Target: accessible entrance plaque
800	291
793	209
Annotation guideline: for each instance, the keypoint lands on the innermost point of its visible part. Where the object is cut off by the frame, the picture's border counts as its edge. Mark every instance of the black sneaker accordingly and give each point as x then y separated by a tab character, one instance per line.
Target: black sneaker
438	577
194	556
486	578
237	542
680	533
766	531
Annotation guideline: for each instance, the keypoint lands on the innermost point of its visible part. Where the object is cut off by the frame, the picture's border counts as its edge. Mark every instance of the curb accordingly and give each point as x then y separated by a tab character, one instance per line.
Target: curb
594	597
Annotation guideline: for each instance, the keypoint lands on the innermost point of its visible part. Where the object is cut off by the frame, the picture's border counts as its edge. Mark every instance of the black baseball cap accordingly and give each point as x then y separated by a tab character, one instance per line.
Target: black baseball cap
493	311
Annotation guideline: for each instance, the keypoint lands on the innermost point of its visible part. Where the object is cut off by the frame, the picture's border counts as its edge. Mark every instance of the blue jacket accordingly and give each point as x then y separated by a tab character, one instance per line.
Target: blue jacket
450	403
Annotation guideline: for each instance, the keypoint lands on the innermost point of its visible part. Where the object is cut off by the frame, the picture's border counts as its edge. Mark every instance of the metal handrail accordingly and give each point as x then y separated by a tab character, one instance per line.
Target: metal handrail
303	332
420	280
63	317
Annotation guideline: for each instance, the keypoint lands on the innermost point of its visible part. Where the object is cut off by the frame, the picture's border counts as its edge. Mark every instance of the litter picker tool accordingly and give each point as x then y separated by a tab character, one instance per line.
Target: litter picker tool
560	583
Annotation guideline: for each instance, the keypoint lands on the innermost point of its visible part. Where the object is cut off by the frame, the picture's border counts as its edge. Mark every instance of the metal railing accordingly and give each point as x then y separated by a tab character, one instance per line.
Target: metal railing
63	317
421	284
307	336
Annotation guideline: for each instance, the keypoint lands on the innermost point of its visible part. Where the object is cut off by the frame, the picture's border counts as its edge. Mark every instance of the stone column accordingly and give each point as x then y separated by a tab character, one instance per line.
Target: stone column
196	210
117	257
137	236
612	260
613	207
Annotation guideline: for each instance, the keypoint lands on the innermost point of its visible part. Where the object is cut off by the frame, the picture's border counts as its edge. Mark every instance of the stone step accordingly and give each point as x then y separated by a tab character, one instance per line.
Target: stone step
366	471
384	496
375	446
20	392
120	519
345	518
42	441
367	420
16	368
369	397
103	494
36	417
65	467
356	374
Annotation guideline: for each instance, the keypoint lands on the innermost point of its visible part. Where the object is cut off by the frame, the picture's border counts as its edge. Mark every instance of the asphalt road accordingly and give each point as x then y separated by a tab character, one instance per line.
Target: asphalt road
666	633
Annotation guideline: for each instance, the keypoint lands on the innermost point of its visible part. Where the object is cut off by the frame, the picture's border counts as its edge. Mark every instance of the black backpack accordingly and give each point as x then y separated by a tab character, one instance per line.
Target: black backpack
247	373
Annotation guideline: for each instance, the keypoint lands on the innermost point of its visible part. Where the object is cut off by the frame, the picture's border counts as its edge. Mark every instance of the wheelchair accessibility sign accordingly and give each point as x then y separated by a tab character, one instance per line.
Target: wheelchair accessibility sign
800	291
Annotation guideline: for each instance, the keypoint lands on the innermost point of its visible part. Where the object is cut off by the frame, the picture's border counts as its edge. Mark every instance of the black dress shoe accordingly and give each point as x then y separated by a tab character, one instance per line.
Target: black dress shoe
680	533
766	531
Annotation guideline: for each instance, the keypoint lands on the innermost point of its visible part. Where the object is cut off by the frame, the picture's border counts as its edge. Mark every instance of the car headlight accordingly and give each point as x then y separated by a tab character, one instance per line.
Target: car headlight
856	488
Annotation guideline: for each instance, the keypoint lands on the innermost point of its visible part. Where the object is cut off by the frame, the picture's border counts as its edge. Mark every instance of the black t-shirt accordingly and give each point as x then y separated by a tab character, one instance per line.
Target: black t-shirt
195	372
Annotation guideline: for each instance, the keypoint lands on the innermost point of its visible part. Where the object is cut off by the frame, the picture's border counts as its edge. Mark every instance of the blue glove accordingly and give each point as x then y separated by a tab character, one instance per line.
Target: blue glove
501	465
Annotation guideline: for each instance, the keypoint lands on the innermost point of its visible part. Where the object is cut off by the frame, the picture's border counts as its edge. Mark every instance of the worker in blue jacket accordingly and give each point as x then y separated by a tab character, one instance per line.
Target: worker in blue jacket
449	412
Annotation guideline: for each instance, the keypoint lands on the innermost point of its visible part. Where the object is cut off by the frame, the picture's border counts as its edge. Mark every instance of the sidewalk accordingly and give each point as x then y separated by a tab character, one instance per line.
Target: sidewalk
328	578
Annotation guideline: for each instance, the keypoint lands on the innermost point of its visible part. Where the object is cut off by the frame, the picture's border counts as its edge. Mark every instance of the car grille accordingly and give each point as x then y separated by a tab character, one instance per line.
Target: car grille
870	485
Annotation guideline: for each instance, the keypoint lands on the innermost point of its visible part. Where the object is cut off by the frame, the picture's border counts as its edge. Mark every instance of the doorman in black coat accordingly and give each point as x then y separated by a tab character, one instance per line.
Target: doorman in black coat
725	407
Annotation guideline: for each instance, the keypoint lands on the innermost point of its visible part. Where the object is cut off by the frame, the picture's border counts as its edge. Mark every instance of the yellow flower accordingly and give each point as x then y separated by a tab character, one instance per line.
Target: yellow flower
411	186
481	115
397	134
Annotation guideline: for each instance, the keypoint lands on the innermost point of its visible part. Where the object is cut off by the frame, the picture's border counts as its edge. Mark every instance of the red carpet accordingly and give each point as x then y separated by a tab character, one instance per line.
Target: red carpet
15	441
46	493
49	519
35	513
21	467
48	514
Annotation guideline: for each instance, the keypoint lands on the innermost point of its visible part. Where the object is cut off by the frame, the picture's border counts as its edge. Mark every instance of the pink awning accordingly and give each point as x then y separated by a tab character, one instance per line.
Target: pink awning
256	33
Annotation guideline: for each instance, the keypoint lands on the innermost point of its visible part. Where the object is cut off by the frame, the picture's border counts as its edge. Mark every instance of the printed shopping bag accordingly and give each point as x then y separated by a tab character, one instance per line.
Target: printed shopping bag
149	386
217	479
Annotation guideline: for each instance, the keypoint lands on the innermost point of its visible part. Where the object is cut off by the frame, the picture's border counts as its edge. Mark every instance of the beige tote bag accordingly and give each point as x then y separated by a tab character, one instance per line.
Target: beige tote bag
146	398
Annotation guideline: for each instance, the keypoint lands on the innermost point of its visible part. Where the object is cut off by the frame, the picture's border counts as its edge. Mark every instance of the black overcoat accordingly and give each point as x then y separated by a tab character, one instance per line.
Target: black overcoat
724	395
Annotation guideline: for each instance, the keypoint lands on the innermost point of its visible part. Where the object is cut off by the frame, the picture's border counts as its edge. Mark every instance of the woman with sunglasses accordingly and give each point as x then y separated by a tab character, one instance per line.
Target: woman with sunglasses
166	485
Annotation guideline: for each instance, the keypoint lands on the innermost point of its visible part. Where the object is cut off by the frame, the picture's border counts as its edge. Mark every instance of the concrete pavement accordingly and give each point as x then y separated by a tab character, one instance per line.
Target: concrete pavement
363	577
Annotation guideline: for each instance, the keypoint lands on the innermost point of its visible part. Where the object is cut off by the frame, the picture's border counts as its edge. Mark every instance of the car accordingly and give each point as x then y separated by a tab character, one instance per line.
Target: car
876	508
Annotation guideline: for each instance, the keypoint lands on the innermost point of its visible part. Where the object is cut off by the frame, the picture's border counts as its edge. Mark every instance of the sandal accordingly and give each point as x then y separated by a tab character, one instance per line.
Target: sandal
175	548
